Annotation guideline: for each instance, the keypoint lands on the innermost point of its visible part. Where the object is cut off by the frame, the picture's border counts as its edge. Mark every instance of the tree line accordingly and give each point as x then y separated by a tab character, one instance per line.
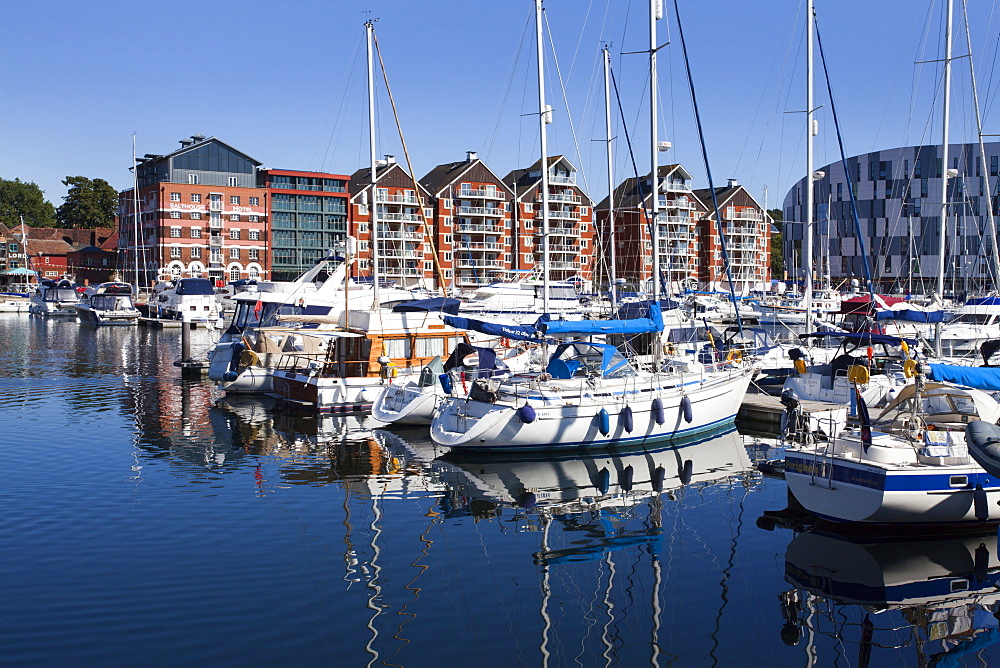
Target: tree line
88	203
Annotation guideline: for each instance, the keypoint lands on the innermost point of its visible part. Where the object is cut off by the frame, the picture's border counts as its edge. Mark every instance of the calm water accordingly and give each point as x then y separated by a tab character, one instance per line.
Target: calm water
144	521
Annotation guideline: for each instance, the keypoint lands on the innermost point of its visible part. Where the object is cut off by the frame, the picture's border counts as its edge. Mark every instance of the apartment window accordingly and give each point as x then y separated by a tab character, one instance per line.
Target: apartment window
193	179
994	165
445	203
175	197
234	199
584	210
195	232
254	235
196	198
175	251
428	266
234	274
254	201
12	248
175	232
254	254
233	181
528	258
234	217
447	257
446	221
195	251
196	215
175	214
253	219
529	207
234	253
234	234
447	239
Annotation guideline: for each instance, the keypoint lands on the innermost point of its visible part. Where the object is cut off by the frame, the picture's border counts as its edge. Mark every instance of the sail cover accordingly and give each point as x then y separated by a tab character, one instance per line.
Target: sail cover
653	322
518	332
983	378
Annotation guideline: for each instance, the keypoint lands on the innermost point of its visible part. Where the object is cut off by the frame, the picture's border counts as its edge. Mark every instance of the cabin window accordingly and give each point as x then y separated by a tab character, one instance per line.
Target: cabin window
430	347
397	348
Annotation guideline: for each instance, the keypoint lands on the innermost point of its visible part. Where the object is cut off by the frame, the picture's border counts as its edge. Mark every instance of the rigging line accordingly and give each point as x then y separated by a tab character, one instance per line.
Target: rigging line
428	232
337	127
847	171
982	148
726	573
708	170
507	89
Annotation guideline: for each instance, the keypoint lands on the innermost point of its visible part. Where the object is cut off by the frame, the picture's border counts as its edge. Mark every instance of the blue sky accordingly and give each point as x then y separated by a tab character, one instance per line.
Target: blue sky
284	82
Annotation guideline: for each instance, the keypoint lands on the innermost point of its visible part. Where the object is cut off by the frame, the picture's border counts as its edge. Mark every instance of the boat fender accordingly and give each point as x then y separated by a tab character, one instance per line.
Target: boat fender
526	413
858	374
657	411
527	500
626	419
659	475
603	481
686	472
230	376
909	368
604	422
686	409
979	503
625	478
981	562
445	382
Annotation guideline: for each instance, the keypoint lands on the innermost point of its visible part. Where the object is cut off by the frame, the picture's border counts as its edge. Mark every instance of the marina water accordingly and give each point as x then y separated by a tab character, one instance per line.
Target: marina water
147	519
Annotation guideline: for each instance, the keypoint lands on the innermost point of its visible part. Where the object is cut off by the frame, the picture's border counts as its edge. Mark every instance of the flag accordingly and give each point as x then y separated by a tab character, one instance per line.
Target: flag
866	421
258	307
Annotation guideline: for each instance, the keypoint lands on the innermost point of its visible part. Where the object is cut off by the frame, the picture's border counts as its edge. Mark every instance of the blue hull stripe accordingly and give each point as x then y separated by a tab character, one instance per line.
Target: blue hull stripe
878	479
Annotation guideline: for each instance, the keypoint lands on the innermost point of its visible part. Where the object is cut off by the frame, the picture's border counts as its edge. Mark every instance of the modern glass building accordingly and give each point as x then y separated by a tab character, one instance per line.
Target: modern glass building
308	214
899	202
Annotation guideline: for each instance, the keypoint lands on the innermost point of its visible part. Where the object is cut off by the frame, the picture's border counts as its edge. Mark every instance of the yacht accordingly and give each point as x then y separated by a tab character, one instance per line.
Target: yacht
55	298
108	304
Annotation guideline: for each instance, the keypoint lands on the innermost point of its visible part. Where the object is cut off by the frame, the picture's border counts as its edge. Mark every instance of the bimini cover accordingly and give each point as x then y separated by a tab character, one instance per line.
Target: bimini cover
194	286
443	304
653	322
518	332
979	377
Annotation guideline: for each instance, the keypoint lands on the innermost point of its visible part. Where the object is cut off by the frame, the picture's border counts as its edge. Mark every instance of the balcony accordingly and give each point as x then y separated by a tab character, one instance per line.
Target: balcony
495	212
676	187
491	229
411	236
399	217
382	198
564	215
482	193
732	213
215	205
562	197
215	240
567	180
472	245
480	264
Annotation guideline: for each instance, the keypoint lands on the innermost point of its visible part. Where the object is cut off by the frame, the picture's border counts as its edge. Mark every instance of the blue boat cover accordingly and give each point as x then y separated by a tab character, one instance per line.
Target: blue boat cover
517	332
983	301
653	322
911	315
979	377
194	286
443	304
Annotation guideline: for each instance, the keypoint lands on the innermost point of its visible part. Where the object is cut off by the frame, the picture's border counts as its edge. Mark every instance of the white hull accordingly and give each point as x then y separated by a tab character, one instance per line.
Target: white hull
98	317
407	403
325	394
844	488
573	420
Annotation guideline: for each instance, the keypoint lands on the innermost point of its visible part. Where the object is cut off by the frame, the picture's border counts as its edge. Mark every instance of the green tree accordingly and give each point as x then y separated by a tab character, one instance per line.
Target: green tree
25	199
777	245
88	203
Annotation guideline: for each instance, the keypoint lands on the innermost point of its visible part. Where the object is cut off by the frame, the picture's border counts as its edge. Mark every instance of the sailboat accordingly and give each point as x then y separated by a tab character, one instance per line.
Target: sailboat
589	394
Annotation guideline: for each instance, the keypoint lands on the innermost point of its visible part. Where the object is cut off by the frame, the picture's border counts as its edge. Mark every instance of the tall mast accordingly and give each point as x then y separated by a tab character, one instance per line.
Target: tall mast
945	120
807	233
135	217
372	205
544	118
655	13
613	274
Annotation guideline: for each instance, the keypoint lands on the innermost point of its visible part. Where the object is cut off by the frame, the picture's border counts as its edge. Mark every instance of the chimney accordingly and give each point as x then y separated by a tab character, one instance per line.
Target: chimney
185	143
197	138
470	156
733	183
390	160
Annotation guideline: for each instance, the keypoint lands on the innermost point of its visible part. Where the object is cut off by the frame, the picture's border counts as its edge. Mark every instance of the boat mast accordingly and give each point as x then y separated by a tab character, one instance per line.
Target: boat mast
807	232
612	286
135	217
372	204
655	13
946	117
544	118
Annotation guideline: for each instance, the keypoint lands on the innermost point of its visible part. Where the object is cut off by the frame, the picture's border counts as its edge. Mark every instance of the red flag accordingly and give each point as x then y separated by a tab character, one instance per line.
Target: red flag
258	307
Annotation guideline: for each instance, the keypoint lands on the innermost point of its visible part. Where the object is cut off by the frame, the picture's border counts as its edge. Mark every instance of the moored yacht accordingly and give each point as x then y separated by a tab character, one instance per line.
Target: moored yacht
55	298
108	304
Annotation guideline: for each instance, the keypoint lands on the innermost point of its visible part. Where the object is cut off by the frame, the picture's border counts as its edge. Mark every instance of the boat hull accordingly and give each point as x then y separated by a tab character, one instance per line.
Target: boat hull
97	317
840	490
406	403
478	425
325	394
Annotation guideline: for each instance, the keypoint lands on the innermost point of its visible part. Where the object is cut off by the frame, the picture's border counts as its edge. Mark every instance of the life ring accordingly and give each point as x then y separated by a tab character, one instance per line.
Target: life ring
505	342
734	356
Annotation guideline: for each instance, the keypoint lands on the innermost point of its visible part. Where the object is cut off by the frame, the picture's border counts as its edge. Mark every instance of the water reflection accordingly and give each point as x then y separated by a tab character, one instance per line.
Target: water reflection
867	601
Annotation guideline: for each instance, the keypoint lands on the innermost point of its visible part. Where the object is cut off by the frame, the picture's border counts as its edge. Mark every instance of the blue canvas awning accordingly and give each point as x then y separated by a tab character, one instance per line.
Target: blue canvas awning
911	315
443	304
518	332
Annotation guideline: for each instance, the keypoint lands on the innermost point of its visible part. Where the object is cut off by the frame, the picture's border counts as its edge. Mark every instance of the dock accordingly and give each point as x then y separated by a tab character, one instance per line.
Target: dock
761	413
